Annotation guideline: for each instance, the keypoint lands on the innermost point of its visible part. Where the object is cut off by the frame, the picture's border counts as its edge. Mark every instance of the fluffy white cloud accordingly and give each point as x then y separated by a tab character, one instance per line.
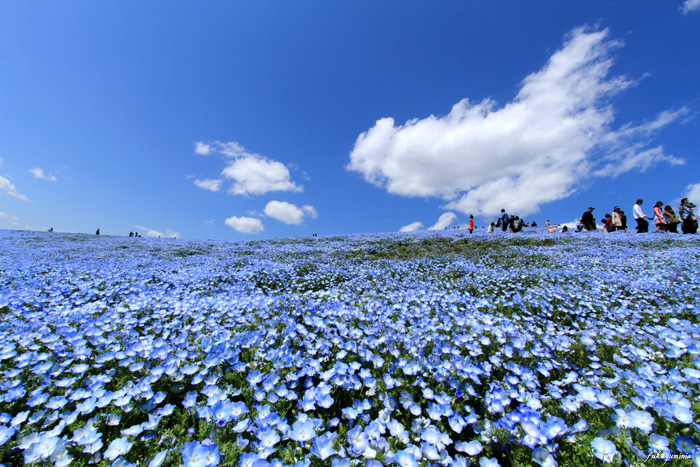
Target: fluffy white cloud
444	221
209	184
148	232
412	227
7	187
533	150
289	213
248	225
256	175
252	174
692	192
202	148
690	6
41	175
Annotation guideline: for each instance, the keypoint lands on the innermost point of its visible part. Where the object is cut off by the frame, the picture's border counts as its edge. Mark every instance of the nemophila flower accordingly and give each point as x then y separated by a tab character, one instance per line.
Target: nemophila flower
268	437
196	454
642	420
340	462
543	458
405	459
118	447
684	445
6	432
604	450
472	448
490	462
159	458
682	414
322	446
43	447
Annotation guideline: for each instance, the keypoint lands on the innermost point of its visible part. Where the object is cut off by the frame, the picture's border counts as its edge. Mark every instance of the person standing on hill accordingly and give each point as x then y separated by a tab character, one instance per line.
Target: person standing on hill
659	219
471	223
689	223
588	220
671	218
616	219
504	220
640	217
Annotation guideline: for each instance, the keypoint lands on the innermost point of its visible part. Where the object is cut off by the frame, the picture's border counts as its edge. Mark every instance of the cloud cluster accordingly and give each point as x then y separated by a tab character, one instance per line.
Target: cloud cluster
535	149
41	175
8	188
251	174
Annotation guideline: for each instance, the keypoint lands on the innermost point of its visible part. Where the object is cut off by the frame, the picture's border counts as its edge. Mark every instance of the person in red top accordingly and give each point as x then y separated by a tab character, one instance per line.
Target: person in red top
471	223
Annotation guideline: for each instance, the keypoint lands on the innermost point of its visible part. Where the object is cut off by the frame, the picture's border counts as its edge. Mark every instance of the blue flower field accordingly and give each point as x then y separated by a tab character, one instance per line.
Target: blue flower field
421	349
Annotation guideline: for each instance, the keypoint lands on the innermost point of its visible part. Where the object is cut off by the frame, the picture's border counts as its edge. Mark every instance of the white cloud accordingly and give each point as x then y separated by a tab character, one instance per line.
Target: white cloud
412	227
252	174
41	175
209	184
533	150
690	6
202	148
692	192
169	233
444	221
256	175
248	225
289	213
7	187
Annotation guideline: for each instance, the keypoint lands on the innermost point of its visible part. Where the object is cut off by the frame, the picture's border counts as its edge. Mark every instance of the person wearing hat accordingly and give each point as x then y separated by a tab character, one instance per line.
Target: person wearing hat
659	219
588	220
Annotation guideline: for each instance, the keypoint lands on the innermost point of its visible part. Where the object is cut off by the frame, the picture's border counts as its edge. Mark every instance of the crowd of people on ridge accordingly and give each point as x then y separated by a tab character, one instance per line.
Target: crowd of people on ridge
665	218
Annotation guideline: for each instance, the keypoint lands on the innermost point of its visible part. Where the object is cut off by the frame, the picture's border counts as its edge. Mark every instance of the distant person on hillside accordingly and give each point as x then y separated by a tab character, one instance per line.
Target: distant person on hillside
617	222
640	217
671	218
51	229
491	226
689	221
588	220
659	219
504	220
546	224
534	224
608	223
564	229
623	220
471	223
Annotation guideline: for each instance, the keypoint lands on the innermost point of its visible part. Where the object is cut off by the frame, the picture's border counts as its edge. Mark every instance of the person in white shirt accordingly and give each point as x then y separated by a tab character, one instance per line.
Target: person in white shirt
640	217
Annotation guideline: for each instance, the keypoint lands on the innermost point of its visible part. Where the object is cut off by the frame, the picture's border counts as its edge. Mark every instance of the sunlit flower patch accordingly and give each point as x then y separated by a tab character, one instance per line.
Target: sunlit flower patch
421	349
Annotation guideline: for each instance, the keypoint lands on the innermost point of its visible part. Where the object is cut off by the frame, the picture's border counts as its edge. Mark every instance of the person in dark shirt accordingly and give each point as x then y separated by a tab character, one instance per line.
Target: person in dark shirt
588	220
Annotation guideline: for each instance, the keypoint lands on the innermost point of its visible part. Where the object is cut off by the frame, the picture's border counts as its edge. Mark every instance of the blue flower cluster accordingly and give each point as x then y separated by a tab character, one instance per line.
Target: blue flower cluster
421	349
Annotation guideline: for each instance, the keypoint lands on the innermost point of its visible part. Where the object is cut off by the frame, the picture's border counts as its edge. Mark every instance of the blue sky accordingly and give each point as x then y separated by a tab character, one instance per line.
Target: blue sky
245	120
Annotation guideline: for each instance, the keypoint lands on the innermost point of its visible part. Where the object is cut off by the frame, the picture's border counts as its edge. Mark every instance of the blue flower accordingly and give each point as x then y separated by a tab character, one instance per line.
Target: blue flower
603	449
323	446
543	458
302	431
196	454
118	447
405	459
